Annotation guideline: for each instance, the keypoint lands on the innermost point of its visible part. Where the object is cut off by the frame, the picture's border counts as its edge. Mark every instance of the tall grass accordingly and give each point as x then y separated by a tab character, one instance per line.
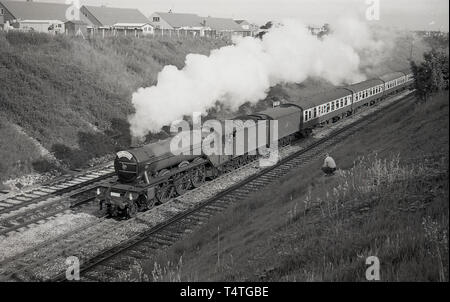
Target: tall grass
400	212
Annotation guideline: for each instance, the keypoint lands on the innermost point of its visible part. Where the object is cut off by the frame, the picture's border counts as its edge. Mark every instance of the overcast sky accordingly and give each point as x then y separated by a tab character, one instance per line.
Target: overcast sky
409	14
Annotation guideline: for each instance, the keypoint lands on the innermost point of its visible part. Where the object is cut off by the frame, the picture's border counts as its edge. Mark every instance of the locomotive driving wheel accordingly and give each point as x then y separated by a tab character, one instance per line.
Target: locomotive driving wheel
164	192
145	204
132	210
182	183
198	176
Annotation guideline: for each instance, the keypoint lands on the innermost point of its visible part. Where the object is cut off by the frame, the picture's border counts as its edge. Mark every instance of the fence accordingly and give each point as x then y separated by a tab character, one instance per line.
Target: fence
175	33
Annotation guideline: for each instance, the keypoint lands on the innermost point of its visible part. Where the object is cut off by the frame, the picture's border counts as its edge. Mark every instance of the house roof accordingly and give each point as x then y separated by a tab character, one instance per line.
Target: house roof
222	24
132	24
177	20
240	22
181	20
23	10
108	16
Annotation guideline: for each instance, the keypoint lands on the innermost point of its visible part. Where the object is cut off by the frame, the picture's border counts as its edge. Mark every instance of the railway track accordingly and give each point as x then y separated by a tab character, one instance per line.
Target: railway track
60	188
58	198
166	233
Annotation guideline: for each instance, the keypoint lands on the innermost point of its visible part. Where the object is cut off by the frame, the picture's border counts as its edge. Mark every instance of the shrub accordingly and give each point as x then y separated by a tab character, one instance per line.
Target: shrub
72	157
94	144
44	166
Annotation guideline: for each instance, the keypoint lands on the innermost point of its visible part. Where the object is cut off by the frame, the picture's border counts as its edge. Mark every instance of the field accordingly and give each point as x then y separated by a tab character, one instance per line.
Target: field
389	199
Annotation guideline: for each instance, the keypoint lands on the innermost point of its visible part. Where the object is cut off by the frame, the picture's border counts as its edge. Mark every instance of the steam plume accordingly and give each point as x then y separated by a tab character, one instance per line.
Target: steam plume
244	71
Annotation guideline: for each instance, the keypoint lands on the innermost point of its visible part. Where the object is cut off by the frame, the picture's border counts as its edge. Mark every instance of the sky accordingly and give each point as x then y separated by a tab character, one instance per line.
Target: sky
401	14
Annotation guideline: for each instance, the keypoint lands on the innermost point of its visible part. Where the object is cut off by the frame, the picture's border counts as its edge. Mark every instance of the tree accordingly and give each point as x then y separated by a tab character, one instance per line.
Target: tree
264	29
432	74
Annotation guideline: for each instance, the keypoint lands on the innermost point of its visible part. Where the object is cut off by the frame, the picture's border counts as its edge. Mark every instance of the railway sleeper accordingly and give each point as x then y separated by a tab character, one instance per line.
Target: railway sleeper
159	241
168	236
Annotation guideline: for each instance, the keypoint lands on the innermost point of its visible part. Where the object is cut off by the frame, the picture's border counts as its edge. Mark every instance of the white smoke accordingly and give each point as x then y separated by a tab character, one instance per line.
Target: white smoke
244	71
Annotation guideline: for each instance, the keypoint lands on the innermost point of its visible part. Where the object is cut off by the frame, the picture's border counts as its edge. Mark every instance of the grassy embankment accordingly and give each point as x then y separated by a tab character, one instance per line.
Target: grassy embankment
388	200
73	95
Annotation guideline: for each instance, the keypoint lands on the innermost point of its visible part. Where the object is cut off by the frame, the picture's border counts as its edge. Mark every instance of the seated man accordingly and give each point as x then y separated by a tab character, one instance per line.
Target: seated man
329	166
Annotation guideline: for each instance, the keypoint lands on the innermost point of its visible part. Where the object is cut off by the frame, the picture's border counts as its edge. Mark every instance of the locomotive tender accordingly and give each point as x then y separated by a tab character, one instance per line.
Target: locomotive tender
152	174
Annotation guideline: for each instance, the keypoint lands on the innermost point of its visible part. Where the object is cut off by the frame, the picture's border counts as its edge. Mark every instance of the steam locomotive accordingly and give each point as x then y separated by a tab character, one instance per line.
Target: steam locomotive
153	174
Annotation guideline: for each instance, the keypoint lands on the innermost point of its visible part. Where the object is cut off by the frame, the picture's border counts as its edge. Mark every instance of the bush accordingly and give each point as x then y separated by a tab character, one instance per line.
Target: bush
74	158
94	144
44	166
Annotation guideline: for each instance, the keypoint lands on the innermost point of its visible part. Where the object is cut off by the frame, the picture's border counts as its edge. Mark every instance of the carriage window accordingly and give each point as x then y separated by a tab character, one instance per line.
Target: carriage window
309	114
342	102
332	106
315	112
306	116
328	107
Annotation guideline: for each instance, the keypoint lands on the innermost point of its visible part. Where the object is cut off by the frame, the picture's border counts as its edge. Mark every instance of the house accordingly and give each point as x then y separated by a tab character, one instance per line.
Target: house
318	30
103	17
115	21
248	28
224	26
195	24
35	16
175	21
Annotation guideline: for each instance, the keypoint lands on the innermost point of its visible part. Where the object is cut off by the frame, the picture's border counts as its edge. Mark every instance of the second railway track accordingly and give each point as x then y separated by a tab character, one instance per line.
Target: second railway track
58	188
47	201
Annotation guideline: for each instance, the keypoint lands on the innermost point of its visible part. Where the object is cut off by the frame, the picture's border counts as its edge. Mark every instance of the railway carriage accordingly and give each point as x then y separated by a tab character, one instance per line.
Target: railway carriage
326	107
409	78
393	82
366	93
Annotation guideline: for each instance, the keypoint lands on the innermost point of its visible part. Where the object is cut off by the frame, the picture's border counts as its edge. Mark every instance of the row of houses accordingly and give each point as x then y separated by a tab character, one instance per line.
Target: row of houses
88	20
